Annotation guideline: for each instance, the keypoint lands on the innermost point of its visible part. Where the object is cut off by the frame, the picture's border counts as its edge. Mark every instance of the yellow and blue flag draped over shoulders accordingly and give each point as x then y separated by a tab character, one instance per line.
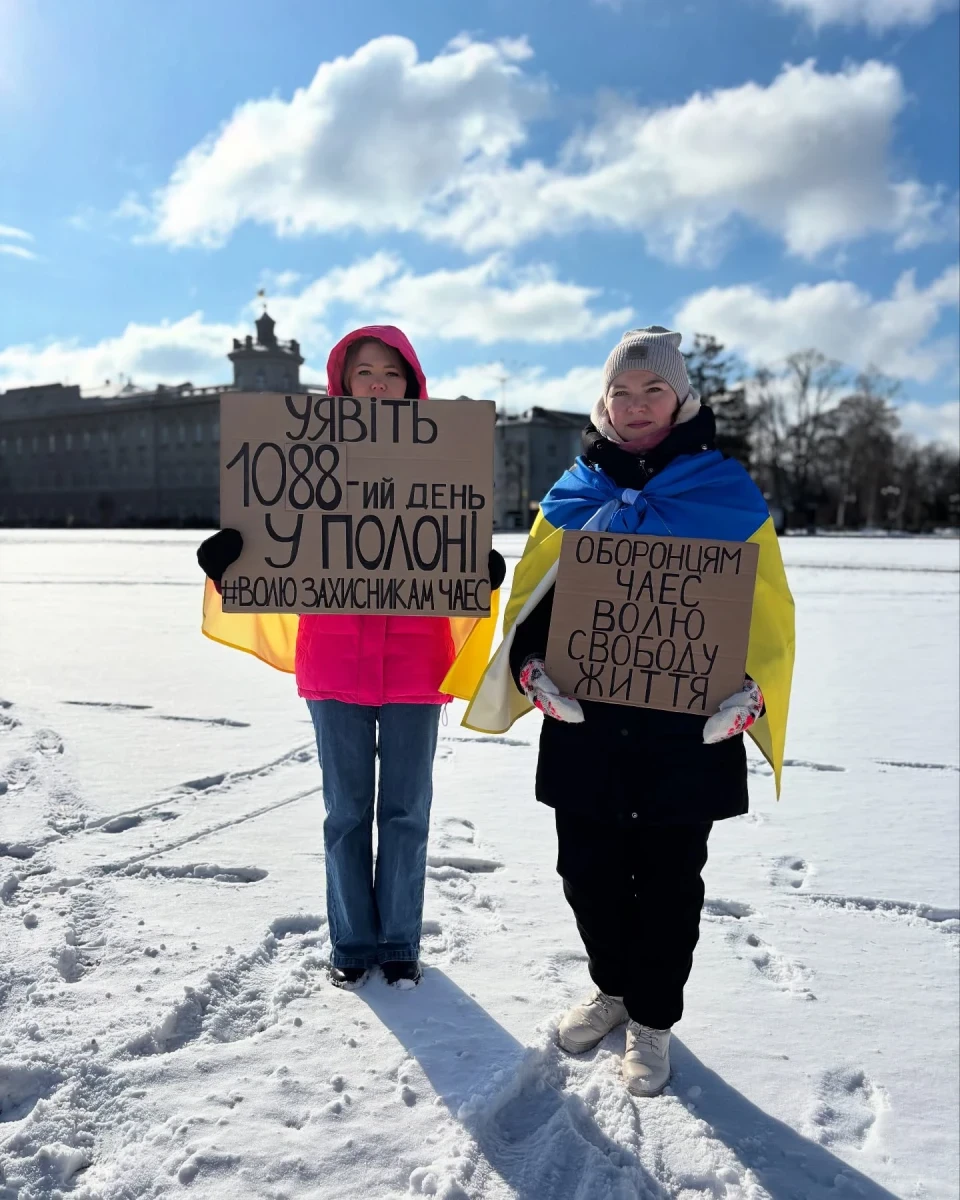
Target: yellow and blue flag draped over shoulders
700	495
272	637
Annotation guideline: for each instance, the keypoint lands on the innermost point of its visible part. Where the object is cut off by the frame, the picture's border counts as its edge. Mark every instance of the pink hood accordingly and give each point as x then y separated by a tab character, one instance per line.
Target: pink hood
391	336
373	660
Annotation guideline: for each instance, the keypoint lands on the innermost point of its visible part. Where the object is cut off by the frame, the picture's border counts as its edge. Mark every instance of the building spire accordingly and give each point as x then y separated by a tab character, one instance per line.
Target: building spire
265	327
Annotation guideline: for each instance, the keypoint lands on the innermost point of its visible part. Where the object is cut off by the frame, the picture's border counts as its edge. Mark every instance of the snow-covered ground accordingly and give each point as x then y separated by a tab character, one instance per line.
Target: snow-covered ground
165	1024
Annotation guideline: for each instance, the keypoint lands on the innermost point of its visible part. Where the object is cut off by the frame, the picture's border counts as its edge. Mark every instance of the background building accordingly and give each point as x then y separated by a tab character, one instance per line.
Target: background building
532	450
136	457
152	457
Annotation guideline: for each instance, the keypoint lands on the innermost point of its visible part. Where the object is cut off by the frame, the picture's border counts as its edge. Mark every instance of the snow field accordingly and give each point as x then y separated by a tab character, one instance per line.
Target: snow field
165	1022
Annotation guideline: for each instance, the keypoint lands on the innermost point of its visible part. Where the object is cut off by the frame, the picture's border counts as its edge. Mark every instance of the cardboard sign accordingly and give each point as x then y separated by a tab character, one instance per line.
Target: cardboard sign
356	505
656	622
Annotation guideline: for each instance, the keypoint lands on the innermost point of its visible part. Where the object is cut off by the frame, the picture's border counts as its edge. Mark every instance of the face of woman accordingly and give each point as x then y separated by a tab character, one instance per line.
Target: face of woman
374	369
640	403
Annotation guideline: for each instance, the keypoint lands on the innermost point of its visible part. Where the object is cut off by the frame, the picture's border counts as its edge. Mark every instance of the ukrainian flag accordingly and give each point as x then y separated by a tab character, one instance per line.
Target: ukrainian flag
700	495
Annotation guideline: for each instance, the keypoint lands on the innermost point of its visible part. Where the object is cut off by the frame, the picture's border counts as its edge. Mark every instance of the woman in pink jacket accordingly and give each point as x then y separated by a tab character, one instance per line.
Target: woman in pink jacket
371	684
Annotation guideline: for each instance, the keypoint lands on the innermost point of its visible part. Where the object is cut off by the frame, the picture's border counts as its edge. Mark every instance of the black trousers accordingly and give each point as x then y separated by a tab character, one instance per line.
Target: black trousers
637	895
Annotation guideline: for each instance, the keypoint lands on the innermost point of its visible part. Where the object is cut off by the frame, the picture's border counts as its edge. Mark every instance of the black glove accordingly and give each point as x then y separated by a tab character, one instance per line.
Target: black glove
496	569
218	552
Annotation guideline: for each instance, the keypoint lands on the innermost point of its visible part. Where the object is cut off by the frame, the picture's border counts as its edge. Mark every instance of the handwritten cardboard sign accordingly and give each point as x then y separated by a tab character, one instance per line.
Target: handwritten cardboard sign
653	622
351	505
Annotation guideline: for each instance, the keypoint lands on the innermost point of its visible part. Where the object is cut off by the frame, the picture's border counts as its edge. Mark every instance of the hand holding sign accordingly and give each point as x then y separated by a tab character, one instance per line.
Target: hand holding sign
654	622
737	713
544	694
217	553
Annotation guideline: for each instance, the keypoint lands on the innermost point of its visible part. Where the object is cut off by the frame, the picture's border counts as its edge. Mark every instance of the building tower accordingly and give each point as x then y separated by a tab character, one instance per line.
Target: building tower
266	365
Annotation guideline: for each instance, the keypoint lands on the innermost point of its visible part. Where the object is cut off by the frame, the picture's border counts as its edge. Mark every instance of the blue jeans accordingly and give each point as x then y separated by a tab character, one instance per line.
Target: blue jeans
375	914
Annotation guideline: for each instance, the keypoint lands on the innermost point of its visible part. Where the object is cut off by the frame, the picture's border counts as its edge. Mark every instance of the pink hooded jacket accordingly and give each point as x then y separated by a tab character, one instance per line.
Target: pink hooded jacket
373	660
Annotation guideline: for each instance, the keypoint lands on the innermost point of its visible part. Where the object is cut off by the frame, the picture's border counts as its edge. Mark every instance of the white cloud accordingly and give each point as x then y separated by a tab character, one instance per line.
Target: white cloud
932	422
16	251
486	302
365	144
877	15
10	236
837	317
383	141
925	215
805	158
172	351
521	388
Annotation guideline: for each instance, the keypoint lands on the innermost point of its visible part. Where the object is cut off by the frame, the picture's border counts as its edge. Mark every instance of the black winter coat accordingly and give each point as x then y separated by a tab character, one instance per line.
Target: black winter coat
625	764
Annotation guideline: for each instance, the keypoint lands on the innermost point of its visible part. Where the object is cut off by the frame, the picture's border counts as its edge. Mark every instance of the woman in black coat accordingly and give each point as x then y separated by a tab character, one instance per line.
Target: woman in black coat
636	791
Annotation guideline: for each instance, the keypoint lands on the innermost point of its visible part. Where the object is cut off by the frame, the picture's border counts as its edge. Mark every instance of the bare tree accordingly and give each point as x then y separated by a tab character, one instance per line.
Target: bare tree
718	377
792	423
859	454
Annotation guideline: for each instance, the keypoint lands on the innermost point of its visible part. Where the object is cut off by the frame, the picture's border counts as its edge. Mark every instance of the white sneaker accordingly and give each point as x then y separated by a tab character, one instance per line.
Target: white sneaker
587	1024
646	1060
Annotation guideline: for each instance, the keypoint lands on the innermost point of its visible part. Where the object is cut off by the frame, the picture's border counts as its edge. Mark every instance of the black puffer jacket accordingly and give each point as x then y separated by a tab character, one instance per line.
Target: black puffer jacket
626	764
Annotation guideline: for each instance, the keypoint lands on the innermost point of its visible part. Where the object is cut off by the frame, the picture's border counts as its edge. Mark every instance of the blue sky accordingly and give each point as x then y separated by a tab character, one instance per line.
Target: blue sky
514	183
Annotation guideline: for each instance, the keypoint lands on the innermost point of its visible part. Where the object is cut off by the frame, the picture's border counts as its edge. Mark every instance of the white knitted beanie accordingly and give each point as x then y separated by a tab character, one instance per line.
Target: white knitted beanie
651	349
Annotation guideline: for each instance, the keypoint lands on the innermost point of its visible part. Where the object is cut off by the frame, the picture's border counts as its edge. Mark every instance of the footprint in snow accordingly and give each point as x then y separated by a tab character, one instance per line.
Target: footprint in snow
66	813
305	753
559	968
488	741
447	943
7	719
47	741
207	871
945	919
83	940
18	850
785	973
244	995
813	766
122	824
18	775
203	784
455	829
917	766
759	766
23	1085
225	722
463	862
720	910
124	821
789	871
845	1108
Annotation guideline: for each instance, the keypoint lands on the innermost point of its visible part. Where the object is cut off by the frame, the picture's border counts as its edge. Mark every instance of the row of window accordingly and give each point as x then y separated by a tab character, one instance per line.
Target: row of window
103	460
92	511
183	476
86	440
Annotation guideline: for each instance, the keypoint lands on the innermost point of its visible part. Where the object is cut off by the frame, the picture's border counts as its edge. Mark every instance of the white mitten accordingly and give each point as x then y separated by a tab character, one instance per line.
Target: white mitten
544	694
737	713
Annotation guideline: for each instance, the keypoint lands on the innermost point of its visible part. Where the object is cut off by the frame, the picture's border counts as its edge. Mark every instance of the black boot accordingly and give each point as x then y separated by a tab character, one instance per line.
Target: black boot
348	978
402	974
